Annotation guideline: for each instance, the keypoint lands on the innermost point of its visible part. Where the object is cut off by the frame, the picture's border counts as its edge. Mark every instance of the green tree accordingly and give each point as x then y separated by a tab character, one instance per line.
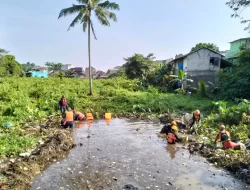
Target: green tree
162	74
3	52
52	66
235	83
84	15
207	45
238	6
181	77
10	67
69	74
28	66
138	66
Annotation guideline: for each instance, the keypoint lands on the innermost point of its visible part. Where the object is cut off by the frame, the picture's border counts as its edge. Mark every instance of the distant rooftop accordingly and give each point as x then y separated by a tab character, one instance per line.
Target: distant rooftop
239	40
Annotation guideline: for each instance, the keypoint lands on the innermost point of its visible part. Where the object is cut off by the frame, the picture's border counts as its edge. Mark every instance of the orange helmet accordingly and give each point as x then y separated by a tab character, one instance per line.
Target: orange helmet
173	123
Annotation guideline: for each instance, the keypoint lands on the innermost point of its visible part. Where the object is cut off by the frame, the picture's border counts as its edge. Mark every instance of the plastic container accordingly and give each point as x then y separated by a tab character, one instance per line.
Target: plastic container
107	116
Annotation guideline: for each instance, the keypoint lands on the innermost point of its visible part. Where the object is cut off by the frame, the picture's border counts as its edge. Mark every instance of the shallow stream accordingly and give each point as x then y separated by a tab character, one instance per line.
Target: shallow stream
129	155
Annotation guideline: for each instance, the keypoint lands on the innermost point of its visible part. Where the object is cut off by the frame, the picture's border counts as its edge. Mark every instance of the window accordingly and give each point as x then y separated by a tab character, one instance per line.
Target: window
214	61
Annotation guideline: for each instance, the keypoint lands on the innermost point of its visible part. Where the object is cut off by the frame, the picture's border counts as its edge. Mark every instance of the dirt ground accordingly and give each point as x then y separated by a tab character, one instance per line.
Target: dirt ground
19	172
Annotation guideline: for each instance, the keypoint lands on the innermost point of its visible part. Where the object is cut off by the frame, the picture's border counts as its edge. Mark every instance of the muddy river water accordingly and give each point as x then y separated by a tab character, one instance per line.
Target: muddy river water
129	155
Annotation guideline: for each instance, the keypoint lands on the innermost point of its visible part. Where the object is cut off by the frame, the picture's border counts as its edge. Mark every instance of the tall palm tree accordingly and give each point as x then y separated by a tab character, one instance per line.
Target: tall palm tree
84	12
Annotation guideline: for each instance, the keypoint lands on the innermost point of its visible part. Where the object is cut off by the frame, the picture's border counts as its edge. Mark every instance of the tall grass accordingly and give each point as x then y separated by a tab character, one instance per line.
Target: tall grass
24	99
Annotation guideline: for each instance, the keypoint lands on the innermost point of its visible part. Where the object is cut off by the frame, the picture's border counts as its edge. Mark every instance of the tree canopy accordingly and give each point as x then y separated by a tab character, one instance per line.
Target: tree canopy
137	66
207	45
238	6
28	66
10	67
52	66
235	83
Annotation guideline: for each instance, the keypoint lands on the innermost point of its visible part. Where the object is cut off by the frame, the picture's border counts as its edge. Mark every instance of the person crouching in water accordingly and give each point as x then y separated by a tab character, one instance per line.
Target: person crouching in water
78	115
69	118
172	134
192	121
224	136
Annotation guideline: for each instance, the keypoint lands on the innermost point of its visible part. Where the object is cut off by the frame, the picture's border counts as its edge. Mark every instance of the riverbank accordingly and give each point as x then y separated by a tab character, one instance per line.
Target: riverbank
17	172
235	161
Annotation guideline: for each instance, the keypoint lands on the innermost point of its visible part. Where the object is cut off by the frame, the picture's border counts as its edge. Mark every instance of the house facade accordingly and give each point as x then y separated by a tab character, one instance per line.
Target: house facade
202	64
66	67
93	71
78	71
236	46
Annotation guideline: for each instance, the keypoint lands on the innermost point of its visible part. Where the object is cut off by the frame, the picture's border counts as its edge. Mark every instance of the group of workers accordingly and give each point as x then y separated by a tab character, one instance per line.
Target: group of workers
192	122
69	115
189	121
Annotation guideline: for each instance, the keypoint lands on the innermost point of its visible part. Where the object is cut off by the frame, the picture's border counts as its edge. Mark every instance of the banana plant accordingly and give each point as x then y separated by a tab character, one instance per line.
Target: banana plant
181	77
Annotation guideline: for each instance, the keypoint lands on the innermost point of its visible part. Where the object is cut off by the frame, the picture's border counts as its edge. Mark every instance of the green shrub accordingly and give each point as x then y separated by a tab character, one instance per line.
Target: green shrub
202	89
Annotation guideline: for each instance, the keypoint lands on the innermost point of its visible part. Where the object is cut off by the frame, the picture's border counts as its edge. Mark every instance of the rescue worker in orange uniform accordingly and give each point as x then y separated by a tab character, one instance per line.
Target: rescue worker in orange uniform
173	134
224	136
78	115
69	118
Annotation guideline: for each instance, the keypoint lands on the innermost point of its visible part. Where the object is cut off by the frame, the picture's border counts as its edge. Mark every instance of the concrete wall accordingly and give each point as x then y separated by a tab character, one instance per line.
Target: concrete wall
66	67
198	67
206	76
200	61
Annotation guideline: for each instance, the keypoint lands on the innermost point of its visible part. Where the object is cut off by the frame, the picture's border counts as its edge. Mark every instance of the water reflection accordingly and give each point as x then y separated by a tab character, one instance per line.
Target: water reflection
89	123
107	121
80	124
172	149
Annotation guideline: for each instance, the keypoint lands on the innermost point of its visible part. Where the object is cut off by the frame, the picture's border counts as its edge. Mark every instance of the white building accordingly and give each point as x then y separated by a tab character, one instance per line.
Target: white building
201	64
66	67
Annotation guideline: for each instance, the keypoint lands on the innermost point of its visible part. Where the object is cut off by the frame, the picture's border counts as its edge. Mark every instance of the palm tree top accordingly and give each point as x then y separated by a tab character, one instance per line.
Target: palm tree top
84	12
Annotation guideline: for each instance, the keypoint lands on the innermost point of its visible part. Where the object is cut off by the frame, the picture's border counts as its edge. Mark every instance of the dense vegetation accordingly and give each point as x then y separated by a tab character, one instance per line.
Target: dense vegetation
235	82
31	99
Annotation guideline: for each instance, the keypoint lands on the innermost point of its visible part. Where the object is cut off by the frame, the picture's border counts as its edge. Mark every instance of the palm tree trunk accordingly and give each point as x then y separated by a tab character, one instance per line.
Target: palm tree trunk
90	72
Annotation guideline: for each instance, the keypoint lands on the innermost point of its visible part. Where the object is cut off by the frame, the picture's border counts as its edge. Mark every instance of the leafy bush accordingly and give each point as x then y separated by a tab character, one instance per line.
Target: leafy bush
235	82
202	89
233	117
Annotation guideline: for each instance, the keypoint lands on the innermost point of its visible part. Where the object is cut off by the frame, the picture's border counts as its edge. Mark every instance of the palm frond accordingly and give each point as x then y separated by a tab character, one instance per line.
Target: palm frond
85	21
71	10
78	18
112	16
101	15
109	5
83	1
92	28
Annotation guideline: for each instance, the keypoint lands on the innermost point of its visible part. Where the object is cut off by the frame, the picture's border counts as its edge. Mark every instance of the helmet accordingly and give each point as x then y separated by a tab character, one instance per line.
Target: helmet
174	128
174	123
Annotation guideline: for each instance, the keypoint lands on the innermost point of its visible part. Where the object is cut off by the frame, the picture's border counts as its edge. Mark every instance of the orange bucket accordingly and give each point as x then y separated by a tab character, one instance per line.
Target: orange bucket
89	116
107	116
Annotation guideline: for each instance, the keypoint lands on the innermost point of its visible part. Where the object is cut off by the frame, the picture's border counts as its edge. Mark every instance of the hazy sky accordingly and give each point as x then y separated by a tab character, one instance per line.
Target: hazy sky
30	30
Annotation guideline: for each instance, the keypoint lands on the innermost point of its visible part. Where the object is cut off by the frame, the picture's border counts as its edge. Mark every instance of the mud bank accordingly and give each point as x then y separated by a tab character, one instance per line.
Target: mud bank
129	155
237	162
18	173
